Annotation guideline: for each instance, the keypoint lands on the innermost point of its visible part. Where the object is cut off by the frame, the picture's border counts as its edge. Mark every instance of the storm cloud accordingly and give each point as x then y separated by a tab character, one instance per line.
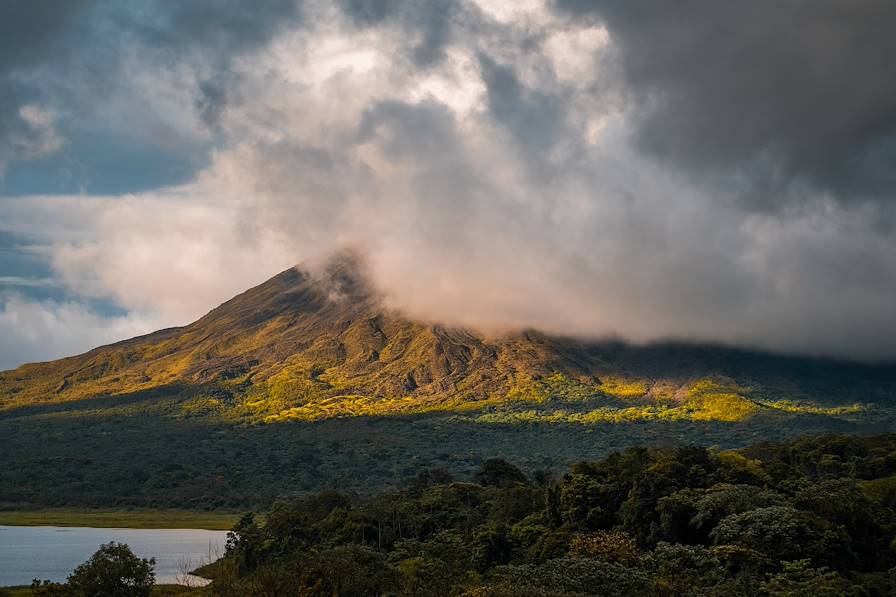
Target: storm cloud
634	170
788	91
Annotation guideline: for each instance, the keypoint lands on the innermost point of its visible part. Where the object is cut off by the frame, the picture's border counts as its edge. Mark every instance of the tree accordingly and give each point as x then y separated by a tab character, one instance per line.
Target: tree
244	543
490	546
799	579
688	515
113	571
582	502
349	570
500	473
782	533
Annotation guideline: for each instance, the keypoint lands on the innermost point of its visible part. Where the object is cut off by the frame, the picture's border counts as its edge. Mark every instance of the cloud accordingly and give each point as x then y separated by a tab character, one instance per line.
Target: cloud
23	281
792	90
30	33
97	67
36	331
498	168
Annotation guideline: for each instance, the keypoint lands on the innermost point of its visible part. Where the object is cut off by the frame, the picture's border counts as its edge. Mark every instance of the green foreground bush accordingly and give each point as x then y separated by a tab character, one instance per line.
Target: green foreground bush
113	571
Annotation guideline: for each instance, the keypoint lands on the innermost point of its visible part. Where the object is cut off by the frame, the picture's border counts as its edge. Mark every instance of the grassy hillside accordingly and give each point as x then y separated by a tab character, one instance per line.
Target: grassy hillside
307	382
310	347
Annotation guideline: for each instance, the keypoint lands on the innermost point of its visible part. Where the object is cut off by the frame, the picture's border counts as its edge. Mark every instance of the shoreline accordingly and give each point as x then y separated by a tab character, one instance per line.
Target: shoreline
120	518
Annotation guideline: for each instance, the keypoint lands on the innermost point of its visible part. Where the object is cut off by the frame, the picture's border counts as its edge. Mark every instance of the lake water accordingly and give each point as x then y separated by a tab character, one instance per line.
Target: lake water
27	553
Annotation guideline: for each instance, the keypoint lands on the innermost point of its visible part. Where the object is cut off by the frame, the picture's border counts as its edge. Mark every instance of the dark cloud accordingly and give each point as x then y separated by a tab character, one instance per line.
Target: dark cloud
369	12
425	135
211	101
70	55
219	29
797	90
534	117
429	26
30	33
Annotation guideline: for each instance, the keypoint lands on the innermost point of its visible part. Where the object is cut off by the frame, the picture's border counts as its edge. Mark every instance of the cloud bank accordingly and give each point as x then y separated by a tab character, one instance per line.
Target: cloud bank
587	168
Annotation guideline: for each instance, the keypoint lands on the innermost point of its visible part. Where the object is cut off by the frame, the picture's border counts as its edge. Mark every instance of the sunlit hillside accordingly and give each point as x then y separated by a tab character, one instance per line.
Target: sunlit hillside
307	346
307	382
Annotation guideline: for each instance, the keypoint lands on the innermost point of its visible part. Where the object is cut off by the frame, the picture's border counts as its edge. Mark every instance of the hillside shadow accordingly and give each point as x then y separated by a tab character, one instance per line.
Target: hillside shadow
182	391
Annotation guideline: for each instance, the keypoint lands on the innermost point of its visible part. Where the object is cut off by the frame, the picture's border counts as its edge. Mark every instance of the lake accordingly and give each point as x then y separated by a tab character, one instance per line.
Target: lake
27	553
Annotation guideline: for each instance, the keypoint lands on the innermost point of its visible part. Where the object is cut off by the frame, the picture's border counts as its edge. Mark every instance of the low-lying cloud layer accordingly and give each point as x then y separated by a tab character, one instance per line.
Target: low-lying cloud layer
586	168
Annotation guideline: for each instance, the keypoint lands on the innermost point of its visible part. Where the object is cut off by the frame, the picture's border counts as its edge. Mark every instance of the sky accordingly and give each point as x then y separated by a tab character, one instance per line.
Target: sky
696	170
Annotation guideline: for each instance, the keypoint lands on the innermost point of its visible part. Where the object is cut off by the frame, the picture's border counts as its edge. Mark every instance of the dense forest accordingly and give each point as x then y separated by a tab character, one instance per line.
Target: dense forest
816	516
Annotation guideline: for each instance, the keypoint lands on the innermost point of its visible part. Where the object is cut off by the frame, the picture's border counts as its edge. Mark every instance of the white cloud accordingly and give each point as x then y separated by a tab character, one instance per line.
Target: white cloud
43	330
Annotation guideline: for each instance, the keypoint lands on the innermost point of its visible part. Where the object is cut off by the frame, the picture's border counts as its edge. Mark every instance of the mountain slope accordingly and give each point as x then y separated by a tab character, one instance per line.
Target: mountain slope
289	331
306	383
310	346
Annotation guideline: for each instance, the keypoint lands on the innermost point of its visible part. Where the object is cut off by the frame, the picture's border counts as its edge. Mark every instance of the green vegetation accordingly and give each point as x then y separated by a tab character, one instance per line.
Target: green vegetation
708	399
133	519
770	520
144	453
113	571
814	516
307	383
309	348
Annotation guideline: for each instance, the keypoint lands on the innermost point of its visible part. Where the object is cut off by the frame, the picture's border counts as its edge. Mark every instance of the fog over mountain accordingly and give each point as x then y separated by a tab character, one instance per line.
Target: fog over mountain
640	170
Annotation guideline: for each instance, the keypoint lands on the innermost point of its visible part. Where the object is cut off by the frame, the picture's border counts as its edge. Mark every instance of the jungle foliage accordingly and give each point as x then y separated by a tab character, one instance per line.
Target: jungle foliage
816	516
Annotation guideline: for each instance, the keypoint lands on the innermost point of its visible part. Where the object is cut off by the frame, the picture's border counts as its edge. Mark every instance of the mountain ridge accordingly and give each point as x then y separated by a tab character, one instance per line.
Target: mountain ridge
316	344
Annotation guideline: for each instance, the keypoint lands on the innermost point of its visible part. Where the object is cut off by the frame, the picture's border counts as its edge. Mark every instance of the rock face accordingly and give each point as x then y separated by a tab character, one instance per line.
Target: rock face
312	345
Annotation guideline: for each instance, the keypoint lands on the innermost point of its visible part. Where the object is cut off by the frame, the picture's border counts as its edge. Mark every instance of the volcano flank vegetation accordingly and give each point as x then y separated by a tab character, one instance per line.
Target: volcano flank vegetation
308	382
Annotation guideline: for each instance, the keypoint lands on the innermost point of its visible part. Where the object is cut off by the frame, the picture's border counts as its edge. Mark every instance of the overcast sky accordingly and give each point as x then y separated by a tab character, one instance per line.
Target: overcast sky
700	170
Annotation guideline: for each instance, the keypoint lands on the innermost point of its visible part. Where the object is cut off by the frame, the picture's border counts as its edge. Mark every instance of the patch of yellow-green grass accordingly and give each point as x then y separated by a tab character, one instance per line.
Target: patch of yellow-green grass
810	409
593	417
709	385
132	519
721	407
528	391
562	388
353	405
719	400
620	387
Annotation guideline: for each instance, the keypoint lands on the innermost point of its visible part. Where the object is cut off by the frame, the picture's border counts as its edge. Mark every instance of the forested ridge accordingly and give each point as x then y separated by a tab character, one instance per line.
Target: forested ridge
815	516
